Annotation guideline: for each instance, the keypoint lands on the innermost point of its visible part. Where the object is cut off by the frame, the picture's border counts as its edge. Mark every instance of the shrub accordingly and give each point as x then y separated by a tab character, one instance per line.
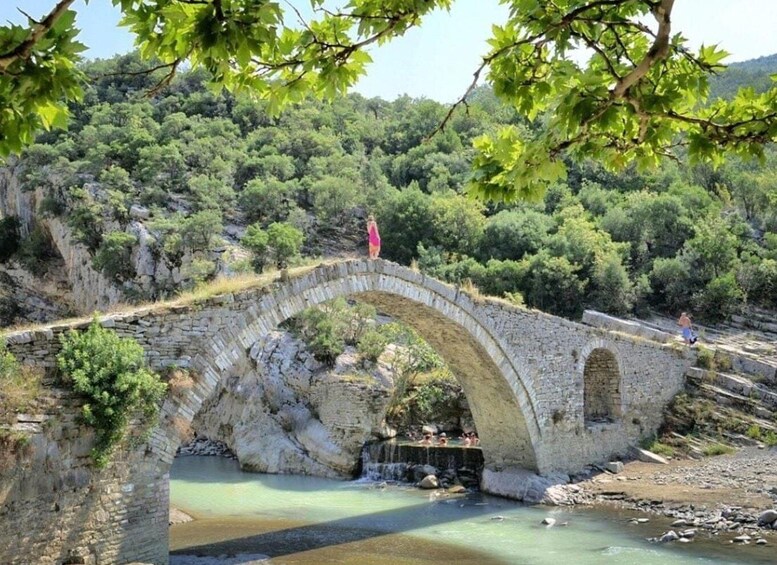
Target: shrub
670	280
284	242
721	298
255	240
268	200
371	345
9	237
754	432
199	229
85	218
113	257
769	438
657	447
109	372
511	234
717	449
705	357
178	380
200	270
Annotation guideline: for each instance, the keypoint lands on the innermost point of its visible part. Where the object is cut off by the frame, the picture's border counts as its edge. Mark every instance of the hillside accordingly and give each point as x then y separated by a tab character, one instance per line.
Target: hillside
755	73
143	198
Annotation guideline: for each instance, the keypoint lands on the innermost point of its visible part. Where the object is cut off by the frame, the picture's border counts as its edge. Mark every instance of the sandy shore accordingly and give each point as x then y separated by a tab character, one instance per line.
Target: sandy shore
726	493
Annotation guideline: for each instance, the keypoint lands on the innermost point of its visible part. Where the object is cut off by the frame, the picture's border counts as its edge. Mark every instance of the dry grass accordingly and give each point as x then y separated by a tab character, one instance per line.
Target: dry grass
217	287
179	380
19	386
183	428
13	446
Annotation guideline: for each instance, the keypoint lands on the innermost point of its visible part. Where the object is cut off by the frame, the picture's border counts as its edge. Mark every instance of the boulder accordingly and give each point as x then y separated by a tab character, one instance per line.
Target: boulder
429	482
421	471
178	516
647	456
137	212
671	535
614	467
767	517
549	522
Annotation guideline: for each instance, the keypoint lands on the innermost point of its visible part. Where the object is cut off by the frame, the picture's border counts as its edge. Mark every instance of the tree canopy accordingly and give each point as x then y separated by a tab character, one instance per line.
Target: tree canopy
608	79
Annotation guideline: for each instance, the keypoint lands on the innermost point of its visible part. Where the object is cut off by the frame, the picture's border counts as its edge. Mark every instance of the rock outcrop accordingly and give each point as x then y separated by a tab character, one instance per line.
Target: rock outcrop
289	414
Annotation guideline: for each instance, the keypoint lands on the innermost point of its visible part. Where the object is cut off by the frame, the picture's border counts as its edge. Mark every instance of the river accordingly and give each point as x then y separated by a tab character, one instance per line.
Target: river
313	521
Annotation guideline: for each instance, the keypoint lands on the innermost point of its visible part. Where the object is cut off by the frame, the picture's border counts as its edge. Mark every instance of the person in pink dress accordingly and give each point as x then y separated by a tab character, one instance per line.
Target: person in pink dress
374	237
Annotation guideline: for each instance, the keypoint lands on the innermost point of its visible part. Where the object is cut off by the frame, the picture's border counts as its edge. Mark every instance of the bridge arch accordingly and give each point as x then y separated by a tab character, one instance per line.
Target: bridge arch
502	404
602	386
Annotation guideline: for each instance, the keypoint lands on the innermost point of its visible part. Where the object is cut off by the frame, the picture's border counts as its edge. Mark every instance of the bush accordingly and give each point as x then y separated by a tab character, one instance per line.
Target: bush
85	218
512	234
199	229
9	237
268	200
109	372
717	449
721	298
612	289
371	345
671	283
200	270
256	241
113	257
552	285
405	221
284	242
705	358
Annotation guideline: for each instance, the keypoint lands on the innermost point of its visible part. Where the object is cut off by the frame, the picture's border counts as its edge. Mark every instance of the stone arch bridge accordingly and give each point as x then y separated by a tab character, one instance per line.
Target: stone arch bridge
547	395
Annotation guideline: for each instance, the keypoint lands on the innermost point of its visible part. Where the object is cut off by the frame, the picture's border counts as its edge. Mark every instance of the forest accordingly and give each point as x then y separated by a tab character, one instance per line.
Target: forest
211	171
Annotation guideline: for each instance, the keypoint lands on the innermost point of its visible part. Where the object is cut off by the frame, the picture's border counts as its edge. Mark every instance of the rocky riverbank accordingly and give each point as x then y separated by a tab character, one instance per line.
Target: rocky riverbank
733	495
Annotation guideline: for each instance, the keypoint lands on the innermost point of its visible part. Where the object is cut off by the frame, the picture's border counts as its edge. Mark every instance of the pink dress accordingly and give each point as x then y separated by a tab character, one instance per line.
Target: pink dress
374	239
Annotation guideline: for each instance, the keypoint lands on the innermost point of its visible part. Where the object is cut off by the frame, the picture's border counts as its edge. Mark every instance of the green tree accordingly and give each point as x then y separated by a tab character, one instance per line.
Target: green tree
113	257
284	242
641	89
552	284
511	234
405	221
256	240
457	223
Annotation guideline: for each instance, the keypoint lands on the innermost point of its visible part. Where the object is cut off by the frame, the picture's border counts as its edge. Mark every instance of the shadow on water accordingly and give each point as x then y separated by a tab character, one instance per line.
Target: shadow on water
311	537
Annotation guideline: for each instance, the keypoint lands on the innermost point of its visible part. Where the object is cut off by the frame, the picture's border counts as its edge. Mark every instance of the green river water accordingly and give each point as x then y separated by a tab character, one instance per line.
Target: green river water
312	521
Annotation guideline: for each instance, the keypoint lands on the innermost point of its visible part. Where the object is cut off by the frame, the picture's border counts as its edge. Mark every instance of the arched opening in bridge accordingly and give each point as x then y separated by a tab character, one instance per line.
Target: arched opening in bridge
500	401
601	387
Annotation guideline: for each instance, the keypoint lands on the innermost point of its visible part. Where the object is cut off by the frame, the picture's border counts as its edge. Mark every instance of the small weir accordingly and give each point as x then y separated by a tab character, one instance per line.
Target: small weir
406	461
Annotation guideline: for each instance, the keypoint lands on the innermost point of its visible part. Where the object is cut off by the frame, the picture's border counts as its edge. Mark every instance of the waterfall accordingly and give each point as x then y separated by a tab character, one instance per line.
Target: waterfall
394	460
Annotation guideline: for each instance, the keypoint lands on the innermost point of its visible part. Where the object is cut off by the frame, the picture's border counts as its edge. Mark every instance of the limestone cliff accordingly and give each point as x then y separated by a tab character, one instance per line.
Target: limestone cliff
286	413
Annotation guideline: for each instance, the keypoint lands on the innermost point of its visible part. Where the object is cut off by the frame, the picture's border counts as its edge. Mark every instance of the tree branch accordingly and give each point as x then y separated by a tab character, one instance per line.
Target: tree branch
658	51
24	49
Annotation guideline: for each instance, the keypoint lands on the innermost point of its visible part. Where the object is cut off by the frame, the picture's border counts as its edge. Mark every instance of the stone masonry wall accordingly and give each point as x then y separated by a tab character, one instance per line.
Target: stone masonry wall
522	372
